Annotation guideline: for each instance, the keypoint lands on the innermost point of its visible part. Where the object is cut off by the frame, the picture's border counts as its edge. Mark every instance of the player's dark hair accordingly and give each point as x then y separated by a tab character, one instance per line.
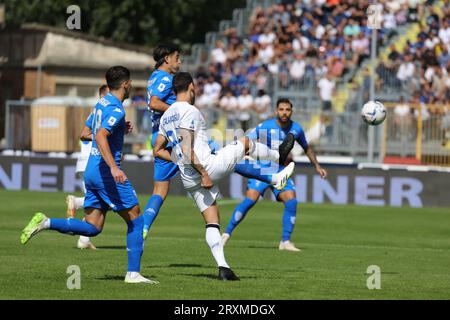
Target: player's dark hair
115	76
181	82
102	89
284	100
162	51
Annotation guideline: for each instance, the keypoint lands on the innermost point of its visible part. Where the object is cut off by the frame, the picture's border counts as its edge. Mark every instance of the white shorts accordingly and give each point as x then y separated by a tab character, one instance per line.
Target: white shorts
222	163
218	166
204	198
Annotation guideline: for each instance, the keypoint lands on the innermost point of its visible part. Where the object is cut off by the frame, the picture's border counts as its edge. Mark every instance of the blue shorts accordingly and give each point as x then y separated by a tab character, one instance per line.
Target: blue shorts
164	170
261	187
116	197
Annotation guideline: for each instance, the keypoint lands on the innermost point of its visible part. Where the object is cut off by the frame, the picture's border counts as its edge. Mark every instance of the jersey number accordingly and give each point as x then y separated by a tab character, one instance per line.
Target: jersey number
97	121
175	142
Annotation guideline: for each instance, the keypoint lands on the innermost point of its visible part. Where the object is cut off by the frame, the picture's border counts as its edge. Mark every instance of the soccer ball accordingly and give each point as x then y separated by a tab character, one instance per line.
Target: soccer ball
373	113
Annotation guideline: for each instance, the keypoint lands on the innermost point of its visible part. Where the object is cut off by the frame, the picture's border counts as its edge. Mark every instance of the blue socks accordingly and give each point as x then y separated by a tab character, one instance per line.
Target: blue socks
239	214
135	244
252	171
290	212
74	226
151	210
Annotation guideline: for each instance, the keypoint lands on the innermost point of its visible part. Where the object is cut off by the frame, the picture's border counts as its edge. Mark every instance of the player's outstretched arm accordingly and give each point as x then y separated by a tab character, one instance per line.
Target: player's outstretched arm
159	150
312	158
101	138
187	147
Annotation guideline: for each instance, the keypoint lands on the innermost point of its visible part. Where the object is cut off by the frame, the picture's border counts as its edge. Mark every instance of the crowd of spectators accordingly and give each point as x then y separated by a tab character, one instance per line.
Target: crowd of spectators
314	42
424	64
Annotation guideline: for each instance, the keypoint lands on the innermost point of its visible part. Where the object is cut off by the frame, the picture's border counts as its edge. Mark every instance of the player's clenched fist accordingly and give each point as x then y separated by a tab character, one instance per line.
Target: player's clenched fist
322	172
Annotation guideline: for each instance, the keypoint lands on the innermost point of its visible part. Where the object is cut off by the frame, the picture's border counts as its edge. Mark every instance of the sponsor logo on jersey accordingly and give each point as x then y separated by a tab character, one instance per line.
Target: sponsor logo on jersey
166	79
118	110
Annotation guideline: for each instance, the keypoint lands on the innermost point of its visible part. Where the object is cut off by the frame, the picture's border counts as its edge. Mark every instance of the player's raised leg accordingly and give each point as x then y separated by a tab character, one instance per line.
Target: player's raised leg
90	228
260	151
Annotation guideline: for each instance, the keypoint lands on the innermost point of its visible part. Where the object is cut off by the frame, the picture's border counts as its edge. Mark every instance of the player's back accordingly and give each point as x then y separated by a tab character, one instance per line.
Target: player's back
160	85
110	115
182	115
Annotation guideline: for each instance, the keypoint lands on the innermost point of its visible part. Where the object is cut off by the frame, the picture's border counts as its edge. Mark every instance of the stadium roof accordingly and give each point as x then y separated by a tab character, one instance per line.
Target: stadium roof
38	45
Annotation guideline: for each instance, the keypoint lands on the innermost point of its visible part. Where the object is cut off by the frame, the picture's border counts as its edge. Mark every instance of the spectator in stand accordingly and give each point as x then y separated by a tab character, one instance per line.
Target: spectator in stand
402	119
326	89
262	105
212	90
360	47
268	37
244	105
237	82
228	103
352	28
444	32
444	58
218	55
266	53
297	67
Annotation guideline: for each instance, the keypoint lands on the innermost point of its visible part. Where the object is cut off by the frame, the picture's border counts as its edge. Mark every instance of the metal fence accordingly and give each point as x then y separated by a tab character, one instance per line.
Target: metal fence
421	134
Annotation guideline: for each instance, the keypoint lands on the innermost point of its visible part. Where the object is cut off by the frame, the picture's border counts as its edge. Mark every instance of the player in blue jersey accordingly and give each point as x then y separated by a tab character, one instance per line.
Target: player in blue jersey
272	132
107	186
160	97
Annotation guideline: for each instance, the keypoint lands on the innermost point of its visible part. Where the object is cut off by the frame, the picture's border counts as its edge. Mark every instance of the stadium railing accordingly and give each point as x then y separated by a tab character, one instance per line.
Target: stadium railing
422	136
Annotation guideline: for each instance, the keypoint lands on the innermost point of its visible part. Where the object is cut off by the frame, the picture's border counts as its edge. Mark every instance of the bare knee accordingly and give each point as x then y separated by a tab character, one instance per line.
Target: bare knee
161	188
211	215
246	142
252	195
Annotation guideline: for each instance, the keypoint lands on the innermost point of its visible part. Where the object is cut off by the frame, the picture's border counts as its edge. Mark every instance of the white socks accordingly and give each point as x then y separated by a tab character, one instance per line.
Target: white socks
259	151
214	241
79	203
46	224
85	239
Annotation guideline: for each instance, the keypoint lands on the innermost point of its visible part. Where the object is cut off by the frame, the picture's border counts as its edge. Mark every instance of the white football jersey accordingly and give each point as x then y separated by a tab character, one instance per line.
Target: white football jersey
182	115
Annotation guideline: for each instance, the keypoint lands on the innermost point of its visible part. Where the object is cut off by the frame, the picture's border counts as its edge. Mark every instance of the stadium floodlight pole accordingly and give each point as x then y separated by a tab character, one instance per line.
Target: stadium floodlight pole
374	24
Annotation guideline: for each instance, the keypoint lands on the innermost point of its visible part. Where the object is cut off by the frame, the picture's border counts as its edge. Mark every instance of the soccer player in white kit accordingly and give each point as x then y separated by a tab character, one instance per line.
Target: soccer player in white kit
77	203
184	127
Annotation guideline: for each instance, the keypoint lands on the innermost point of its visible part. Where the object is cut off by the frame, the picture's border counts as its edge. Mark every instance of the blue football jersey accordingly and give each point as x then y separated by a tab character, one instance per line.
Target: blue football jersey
160	85
272	135
109	114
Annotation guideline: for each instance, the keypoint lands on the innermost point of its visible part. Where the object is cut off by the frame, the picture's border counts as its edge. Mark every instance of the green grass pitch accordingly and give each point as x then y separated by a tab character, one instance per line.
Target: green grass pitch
411	246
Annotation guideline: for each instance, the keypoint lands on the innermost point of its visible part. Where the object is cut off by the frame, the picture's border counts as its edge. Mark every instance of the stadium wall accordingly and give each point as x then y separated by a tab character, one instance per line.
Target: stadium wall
346	184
